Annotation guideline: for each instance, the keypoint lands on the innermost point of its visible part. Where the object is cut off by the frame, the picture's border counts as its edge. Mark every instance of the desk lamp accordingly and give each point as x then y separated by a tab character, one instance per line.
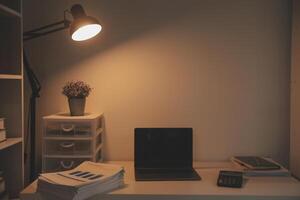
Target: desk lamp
82	28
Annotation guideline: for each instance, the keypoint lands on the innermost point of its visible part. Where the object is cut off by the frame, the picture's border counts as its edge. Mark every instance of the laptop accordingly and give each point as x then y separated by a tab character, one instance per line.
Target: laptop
164	154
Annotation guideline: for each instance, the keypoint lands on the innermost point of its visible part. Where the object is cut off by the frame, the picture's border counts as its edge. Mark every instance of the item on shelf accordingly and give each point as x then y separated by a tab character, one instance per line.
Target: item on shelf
86	180
3	193
2	184
4	196
250	172
2	125
76	91
2	135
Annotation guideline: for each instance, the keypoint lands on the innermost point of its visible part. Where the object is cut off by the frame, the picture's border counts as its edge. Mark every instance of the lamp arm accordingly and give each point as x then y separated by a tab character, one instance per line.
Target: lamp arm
47	29
33	81
31	131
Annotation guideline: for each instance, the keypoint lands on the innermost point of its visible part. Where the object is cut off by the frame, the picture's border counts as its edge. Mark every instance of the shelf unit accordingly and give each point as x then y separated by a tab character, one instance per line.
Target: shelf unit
69	140
10	142
8	11
12	98
11	76
295	93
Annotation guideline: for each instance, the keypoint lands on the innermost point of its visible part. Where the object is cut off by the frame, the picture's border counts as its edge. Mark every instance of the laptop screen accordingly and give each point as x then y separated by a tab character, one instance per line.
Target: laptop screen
163	147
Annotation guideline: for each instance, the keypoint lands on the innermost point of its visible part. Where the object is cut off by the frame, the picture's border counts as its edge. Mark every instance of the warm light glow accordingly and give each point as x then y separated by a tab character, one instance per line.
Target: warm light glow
86	32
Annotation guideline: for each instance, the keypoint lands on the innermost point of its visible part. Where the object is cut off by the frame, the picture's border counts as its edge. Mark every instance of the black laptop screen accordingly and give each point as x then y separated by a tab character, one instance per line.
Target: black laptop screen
163	147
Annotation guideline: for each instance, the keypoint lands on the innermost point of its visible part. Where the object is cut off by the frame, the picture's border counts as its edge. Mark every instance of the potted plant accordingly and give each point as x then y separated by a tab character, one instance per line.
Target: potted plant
76	91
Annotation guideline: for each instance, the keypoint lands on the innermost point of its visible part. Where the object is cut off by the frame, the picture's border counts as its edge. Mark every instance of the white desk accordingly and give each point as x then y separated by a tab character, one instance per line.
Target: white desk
277	188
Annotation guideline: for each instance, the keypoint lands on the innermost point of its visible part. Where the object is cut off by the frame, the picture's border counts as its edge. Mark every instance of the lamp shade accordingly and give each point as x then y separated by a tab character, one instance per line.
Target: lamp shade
83	27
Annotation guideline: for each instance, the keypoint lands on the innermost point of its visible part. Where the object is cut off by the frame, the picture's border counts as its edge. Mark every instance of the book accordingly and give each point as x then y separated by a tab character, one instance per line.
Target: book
2	135
256	162
86	180
4	196
2	126
250	172
3	193
2	185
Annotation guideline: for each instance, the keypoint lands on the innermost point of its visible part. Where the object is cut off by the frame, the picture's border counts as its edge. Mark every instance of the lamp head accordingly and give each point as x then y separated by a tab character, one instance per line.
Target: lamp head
83	27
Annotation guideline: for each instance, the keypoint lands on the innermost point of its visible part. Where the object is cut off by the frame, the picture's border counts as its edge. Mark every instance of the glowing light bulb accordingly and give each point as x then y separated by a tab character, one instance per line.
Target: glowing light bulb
86	32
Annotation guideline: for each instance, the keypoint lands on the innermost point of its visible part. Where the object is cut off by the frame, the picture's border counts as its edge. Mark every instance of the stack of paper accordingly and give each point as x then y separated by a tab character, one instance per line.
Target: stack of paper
2	130
3	192
261	173
84	181
2	126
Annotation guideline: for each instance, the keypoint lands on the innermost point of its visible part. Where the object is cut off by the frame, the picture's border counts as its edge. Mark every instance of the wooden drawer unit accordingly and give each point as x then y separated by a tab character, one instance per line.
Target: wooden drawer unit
68	141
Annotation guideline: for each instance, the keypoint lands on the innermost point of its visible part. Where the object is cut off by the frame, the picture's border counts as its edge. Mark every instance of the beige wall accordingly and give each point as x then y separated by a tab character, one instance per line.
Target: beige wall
295	92
221	67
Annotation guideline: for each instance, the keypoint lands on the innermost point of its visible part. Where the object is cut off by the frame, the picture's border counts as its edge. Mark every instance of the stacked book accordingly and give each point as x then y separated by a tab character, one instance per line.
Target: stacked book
3	193
2	130
259	166
86	180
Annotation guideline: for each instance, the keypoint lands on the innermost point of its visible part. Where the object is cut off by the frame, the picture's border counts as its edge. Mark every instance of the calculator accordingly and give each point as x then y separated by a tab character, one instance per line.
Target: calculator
232	179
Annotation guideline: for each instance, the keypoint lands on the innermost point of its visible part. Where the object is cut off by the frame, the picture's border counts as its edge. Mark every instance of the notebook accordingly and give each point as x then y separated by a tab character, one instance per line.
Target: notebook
162	154
256	163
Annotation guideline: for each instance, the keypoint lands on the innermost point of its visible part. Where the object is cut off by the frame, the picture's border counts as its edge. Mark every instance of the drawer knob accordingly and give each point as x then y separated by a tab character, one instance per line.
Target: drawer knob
67	127
67	165
67	144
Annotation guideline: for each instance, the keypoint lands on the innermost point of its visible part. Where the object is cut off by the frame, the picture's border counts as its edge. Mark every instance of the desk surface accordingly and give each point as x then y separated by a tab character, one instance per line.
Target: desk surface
254	188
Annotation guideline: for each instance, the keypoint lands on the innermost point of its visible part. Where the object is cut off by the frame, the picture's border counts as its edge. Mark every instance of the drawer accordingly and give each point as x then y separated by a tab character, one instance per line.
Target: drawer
68	129
67	147
61	164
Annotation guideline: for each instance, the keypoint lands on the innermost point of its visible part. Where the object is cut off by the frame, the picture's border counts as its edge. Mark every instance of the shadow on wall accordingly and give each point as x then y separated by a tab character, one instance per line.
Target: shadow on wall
121	21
